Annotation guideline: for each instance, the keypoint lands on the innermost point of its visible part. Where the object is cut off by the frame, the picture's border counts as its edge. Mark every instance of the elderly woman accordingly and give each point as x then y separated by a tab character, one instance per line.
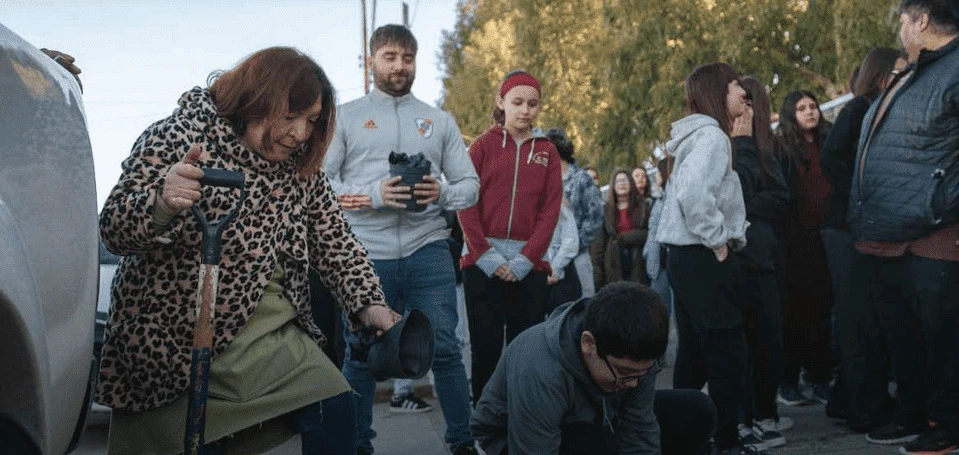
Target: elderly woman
271	118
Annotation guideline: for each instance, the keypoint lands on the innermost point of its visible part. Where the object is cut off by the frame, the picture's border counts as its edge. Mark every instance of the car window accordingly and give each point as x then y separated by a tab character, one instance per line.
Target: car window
106	257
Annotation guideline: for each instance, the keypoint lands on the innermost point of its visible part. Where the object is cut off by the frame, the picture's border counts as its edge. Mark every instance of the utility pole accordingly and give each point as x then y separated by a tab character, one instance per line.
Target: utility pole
366	60
406	15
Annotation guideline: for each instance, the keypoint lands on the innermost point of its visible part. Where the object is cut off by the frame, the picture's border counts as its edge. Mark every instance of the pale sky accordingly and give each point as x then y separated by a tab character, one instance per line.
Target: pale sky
137	58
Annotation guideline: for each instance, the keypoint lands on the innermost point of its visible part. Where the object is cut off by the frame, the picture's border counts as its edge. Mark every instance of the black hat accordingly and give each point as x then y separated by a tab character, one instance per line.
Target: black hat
405	351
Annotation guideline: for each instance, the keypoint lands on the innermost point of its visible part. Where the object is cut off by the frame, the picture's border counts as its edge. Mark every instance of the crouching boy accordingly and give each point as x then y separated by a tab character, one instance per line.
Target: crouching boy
583	382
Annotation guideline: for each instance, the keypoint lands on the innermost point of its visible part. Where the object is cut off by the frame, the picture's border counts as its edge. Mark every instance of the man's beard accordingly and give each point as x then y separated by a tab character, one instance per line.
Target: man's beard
397	85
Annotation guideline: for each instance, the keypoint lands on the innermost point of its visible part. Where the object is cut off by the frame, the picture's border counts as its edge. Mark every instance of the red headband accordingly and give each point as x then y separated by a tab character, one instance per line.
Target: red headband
522	78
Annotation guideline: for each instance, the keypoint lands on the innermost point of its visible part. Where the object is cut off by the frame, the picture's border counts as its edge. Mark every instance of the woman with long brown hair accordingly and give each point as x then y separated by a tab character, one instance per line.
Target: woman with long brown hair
806	294
703	222
766	197
617	251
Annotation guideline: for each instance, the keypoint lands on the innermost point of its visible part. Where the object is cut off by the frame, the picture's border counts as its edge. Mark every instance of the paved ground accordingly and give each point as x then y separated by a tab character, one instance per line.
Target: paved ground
422	434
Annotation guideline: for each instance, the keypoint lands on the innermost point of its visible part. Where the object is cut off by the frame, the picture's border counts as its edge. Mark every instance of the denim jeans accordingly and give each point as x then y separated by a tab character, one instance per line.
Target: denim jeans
425	281
405	386
661	287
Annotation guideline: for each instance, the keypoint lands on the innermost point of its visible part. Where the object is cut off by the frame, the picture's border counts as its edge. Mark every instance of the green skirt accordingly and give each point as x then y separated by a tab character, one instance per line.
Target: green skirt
271	368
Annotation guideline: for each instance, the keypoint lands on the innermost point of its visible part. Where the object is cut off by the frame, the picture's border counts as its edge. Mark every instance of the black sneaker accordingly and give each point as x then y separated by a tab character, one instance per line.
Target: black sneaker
791	395
408	404
892	433
934	441
771	438
737	451
750	439
466	449
820	392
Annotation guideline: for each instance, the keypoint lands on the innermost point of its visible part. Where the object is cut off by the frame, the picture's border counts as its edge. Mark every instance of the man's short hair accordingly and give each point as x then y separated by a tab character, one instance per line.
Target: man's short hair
392	34
944	14
628	320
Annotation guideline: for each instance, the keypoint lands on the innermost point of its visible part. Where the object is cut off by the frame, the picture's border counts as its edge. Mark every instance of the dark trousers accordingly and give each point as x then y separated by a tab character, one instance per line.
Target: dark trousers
712	345
806	309
492	305
566	290
686	421
917	304
763	323
326	316
863	355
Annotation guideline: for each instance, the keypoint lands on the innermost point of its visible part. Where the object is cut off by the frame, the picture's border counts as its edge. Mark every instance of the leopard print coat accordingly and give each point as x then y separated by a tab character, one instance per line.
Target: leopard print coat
286	220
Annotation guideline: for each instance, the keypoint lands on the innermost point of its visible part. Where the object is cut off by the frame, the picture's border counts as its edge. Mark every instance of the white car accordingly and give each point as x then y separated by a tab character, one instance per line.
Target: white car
48	253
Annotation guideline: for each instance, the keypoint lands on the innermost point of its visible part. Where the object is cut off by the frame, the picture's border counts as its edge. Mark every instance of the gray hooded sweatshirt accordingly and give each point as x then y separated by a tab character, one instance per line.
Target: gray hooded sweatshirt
704	200
542	383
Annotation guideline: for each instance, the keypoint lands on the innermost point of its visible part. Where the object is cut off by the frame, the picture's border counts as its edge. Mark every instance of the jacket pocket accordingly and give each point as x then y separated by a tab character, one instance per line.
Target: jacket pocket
937	197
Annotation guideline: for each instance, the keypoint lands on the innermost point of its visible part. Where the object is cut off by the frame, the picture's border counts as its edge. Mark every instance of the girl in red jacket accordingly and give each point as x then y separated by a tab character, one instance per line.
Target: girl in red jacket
508	231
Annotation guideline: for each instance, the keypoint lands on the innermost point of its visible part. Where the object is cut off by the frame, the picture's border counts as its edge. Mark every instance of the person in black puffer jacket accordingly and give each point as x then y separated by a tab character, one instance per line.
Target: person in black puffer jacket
904	218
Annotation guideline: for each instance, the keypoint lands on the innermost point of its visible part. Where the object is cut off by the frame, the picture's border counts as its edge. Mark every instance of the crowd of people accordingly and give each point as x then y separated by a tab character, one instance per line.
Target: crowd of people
813	262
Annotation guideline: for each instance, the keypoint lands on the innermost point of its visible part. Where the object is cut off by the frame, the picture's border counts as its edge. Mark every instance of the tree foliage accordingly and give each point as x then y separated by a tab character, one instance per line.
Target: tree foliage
612	70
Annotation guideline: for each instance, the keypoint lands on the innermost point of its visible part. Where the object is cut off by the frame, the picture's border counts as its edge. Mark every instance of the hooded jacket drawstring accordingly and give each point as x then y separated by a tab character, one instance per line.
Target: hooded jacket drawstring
606	422
531	149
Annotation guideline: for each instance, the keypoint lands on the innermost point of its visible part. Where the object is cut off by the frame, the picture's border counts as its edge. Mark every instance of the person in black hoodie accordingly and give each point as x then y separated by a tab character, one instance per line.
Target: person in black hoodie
806	296
861	388
766	198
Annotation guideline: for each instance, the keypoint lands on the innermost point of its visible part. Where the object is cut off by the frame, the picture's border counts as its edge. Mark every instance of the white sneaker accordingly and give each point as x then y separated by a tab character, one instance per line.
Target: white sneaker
784	423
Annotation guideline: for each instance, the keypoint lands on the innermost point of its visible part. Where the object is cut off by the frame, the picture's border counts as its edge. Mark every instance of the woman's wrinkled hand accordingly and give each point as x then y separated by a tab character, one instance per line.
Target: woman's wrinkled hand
181	186
379	316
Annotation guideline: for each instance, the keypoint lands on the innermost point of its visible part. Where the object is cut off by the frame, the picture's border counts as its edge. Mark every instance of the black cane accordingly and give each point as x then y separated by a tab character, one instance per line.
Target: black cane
206	301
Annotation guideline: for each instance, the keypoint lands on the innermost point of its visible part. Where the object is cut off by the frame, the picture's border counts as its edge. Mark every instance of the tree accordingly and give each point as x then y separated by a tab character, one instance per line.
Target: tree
612	70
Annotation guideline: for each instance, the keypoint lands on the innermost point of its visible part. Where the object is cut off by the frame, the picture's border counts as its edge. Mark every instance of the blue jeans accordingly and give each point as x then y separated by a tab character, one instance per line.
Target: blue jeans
425	281
405	386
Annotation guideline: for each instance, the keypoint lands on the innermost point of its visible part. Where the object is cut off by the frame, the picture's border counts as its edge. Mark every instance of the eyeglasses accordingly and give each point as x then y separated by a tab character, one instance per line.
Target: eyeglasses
623	380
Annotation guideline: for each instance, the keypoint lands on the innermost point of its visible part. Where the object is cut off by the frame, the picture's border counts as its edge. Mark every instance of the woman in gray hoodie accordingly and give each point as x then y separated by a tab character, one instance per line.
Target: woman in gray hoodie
703	220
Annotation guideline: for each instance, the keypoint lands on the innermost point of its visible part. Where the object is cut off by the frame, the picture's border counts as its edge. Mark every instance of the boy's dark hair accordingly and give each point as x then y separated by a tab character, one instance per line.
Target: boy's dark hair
562	143
628	320
943	13
392	34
